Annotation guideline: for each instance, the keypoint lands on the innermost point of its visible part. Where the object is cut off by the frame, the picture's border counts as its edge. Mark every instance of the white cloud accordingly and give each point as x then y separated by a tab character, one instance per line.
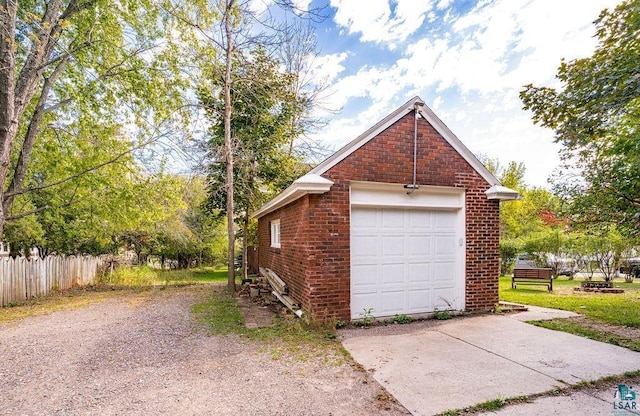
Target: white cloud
443	4
379	84
326	68
436	103
471	71
301	5
377	23
259	6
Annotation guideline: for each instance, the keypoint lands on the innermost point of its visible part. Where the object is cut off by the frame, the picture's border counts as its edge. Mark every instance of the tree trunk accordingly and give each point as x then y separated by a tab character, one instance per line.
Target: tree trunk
245	239
228	147
8	122
17	92
20	169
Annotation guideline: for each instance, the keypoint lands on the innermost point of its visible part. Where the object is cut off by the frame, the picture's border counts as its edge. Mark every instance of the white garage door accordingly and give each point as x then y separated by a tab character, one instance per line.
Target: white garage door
405	261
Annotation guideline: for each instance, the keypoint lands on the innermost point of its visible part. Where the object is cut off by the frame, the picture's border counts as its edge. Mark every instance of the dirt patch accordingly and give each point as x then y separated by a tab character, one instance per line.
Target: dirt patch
145	355
622	331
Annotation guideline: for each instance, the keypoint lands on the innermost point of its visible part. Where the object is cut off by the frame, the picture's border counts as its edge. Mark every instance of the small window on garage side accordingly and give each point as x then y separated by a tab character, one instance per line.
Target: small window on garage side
275	233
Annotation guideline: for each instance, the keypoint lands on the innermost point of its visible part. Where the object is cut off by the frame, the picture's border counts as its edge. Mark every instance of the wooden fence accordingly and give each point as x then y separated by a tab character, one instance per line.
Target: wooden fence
22	278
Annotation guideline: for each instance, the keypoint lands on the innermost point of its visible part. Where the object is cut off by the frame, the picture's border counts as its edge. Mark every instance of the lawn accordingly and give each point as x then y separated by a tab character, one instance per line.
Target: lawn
199	275
619	309
145	276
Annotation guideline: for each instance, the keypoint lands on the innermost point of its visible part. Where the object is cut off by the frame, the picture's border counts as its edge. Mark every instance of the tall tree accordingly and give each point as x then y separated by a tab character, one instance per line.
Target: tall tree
596	114
227	32
79	70
266	119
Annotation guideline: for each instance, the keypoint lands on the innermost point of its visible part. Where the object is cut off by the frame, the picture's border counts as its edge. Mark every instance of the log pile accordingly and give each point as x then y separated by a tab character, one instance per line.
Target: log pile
280	290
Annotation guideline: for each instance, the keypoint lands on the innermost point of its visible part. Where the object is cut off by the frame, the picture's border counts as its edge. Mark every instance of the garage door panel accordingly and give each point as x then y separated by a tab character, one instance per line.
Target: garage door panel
392	273
419	245
364	246
420	221
419	300
444	245
367	220
365	301
392	302
400	257
364	275
391	221
419	273
444	272
445	220
393	245
444	299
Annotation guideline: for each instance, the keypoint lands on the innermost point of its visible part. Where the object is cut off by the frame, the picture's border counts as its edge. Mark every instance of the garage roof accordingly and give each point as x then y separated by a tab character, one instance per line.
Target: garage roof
311	184
386	122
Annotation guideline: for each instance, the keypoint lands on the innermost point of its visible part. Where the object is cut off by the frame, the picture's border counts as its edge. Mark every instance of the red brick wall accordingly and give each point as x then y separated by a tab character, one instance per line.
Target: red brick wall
322	276
291	259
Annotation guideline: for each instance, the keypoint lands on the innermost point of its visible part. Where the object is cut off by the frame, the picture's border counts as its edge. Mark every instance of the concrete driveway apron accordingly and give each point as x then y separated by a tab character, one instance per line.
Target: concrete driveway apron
437	366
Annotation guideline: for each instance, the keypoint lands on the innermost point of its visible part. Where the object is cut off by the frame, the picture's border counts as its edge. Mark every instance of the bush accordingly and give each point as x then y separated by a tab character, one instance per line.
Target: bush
509	250
129	276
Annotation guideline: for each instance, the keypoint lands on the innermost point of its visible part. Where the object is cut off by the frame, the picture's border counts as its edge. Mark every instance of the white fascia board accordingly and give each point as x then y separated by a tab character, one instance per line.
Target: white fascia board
307	184
502	193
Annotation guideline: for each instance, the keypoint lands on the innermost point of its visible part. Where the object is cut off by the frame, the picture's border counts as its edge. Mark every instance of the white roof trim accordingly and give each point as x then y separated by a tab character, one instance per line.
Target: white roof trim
313	183
385	123
502	193
307	184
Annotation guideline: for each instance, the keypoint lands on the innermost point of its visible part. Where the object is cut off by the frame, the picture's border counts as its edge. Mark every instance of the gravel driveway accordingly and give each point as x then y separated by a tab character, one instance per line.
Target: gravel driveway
144	354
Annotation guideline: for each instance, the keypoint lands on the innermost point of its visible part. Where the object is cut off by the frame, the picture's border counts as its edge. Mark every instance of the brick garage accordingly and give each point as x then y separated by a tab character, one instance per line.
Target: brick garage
355	233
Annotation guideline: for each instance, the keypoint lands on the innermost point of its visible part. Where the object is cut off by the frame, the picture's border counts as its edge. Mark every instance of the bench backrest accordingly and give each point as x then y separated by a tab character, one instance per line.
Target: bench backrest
532	273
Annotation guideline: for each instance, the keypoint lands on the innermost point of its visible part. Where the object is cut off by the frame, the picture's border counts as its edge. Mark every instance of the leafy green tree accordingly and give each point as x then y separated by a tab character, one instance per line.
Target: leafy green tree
509	250
550	248
76	74
266	108
534	211
584	247
524	222
595	115
608	247
513	175
225	33
191	235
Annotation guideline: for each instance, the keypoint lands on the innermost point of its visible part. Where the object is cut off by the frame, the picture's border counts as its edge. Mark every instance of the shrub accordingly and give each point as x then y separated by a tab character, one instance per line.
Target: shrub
129	276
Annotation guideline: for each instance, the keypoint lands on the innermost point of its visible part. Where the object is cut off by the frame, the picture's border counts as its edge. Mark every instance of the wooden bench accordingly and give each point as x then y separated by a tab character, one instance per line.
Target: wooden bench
532	276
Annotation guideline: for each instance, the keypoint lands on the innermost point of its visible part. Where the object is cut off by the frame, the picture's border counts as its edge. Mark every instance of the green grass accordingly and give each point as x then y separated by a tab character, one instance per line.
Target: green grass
125	276
209	275
576	328
488	406
619	309
144	276
221	314
287	337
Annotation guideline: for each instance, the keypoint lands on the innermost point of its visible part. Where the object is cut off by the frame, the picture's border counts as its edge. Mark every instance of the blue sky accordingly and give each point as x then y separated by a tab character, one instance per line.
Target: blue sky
468	60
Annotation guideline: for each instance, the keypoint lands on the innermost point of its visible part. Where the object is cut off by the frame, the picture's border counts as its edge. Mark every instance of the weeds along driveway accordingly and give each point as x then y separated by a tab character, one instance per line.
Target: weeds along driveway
144	354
